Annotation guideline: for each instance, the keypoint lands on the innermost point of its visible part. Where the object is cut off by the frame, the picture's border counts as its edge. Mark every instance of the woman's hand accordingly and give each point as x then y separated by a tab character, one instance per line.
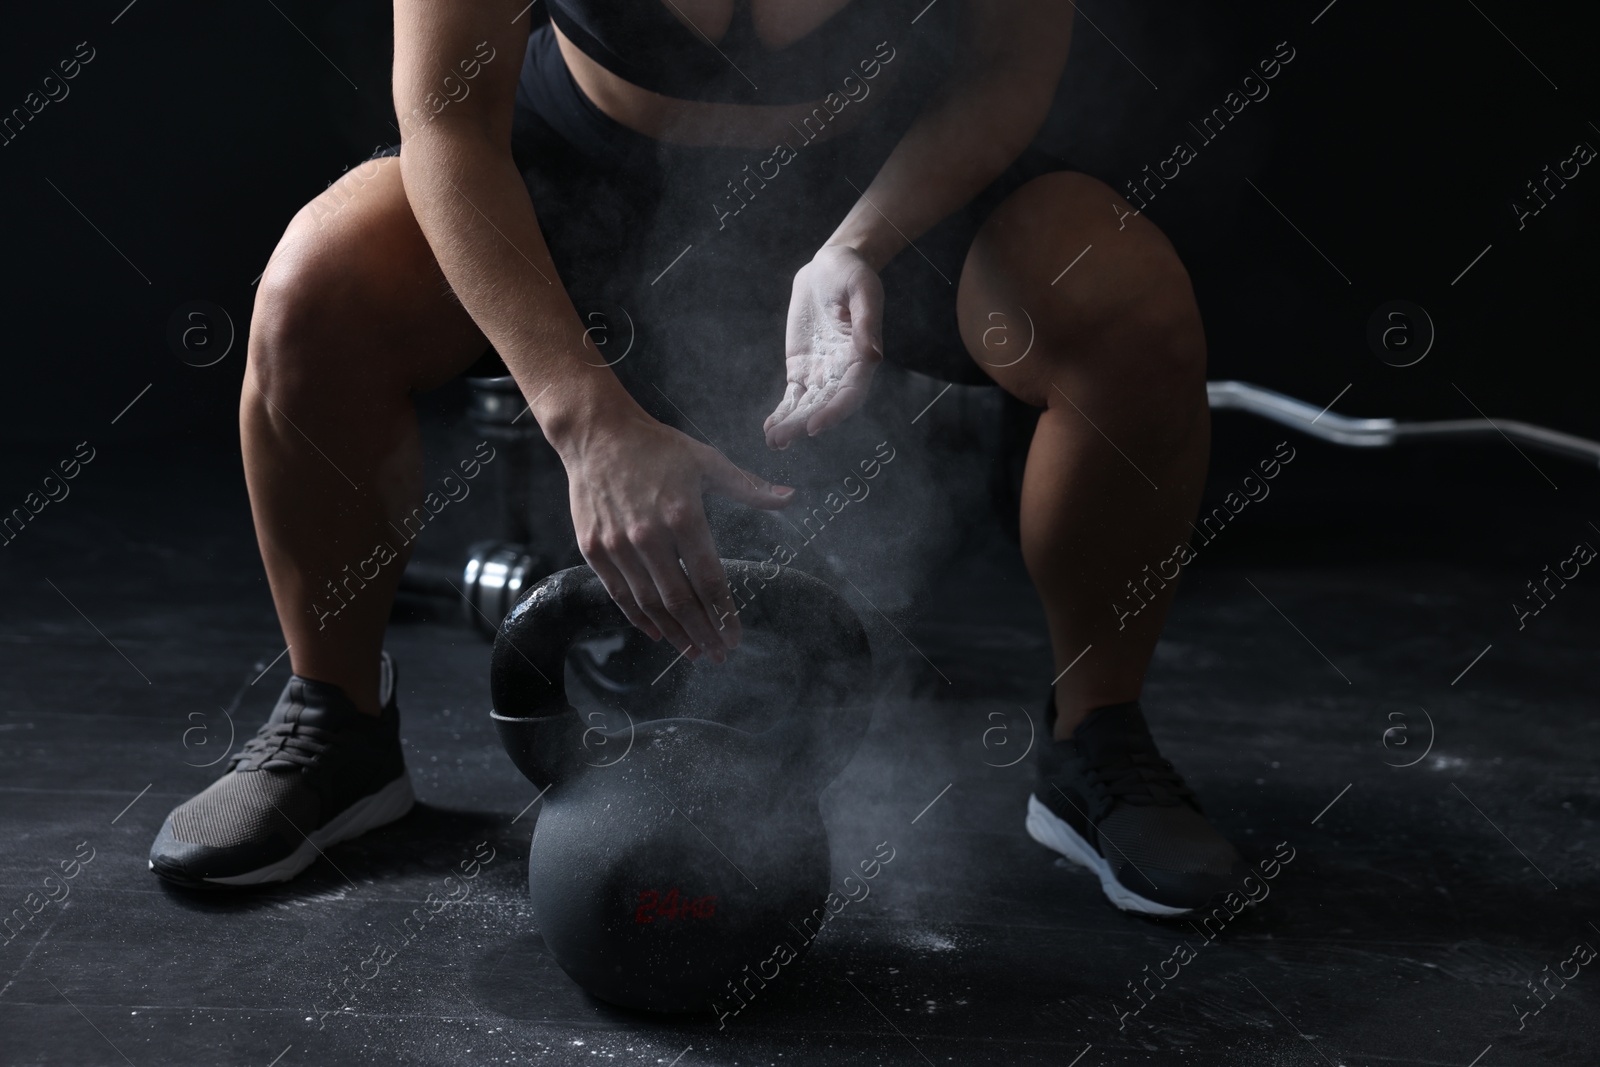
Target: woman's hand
834	343
635	490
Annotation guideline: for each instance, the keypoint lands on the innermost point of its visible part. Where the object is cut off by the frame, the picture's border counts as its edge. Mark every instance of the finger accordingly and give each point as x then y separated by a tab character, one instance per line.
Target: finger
682	602
698	551
786	406
850	395
720	476
791	397
643	585
616	587
793	424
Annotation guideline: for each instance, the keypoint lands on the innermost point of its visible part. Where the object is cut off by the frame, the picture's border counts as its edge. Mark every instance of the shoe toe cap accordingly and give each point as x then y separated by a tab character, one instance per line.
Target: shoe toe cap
186	863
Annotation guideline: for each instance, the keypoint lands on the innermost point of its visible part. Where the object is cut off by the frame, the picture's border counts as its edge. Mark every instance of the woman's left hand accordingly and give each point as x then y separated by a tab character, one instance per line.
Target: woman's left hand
834	342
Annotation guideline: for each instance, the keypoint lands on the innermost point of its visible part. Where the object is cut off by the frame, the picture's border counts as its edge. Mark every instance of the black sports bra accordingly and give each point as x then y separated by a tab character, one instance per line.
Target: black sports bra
644	43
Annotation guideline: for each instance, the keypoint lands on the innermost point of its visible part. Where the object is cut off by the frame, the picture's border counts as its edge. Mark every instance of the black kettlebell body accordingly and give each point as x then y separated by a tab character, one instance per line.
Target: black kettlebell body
658	875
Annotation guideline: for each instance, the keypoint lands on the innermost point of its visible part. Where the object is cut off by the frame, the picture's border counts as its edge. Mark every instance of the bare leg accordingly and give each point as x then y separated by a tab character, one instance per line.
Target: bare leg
352	316
1118	461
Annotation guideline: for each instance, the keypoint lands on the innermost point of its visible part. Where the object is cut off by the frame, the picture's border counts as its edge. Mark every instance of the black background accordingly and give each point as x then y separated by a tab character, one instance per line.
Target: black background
1396	141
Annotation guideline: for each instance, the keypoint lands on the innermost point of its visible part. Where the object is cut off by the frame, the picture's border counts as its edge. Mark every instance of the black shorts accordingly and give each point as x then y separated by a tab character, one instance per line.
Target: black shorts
683	257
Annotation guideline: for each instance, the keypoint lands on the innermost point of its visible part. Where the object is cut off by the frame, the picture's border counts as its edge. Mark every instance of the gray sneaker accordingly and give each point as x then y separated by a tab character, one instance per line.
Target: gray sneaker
319	772
1107	800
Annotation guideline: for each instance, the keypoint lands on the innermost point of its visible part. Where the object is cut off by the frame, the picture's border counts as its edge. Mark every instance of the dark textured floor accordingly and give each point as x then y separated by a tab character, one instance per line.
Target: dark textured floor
1418	904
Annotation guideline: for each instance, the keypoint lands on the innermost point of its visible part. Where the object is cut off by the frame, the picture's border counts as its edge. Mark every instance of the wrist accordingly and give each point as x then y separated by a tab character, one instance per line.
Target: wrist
572	413
875	249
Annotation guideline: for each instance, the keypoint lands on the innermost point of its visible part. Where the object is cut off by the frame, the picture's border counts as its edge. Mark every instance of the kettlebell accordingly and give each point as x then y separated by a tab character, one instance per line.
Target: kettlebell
659	875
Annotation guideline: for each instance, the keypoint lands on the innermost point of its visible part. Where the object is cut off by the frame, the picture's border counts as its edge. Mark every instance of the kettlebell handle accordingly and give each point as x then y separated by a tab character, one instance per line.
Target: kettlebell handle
543	733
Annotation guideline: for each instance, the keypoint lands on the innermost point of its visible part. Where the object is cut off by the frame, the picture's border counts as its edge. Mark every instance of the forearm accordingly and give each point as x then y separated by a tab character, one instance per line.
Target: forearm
983	119
474	210
472	206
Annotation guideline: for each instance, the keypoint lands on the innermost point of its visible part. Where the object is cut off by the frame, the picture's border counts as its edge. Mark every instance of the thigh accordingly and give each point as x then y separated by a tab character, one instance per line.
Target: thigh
354	281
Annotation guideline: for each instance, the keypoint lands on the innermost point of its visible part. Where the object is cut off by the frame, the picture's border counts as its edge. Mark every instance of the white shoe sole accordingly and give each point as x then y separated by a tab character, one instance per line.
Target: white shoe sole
1056	834
368	813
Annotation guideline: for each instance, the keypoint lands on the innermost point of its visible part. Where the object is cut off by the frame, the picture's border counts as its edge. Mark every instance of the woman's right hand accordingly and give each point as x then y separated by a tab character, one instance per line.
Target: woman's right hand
635	487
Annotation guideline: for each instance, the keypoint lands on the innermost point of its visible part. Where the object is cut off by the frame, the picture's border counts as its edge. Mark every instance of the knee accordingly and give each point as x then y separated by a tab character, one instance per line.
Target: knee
1158	325
1146	344
1104	290
306	325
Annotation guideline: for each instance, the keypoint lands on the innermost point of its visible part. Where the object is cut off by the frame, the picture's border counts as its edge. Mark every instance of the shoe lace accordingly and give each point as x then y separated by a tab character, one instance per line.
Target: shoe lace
291	741
1142	778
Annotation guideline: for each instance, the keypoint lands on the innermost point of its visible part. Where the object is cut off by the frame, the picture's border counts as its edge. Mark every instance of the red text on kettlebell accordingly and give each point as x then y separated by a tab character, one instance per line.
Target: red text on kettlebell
673	905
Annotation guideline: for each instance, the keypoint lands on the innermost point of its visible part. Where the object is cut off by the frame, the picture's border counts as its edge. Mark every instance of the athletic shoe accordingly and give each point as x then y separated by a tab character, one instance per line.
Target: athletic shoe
1106	800
319	772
